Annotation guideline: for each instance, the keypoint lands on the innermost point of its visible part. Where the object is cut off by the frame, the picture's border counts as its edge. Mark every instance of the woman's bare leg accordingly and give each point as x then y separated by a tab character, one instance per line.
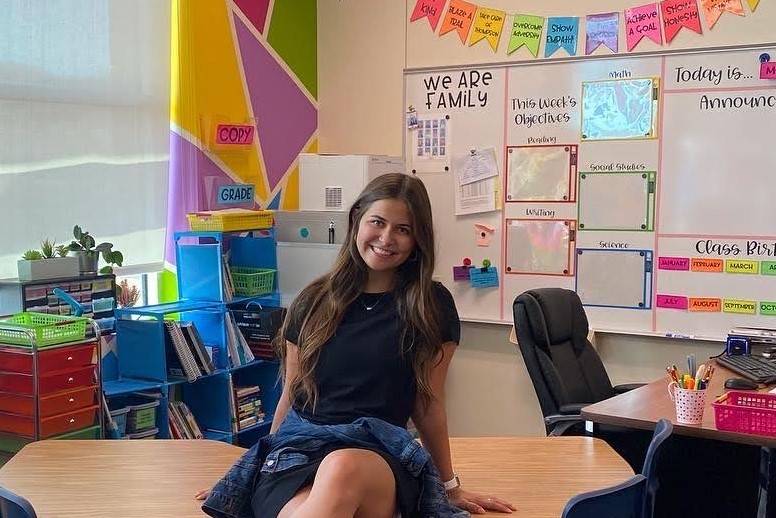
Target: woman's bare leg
350	483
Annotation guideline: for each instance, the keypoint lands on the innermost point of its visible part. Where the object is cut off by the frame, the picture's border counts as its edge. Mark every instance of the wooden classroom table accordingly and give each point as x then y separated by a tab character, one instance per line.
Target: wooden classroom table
158	478
644	406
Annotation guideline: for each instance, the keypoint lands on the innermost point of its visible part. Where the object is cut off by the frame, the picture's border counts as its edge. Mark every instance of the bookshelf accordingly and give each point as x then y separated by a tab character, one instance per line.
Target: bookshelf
143	342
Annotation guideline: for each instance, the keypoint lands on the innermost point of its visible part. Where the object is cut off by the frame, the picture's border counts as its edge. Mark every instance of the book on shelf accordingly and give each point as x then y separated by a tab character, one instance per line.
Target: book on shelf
187	355
182	421
226	274
238	351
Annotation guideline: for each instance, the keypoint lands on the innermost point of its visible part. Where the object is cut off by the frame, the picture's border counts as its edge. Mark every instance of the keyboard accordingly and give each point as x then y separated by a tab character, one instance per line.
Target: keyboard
755	368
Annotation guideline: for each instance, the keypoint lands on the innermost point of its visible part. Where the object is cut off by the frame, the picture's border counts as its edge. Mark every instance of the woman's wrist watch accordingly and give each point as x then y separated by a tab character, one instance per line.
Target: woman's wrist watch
453	483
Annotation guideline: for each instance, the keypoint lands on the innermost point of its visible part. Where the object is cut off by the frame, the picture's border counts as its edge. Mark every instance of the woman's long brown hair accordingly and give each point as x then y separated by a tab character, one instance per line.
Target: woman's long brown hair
320	307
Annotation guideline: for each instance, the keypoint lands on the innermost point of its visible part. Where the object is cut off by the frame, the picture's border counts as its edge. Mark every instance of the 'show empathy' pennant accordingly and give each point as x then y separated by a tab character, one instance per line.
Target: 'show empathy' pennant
562	33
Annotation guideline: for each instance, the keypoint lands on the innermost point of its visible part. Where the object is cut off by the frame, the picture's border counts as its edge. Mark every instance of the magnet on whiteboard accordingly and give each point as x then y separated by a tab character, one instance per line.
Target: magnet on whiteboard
765	57
467	261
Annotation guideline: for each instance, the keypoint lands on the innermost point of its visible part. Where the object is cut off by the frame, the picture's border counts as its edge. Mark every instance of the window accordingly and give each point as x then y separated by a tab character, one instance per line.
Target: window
84	125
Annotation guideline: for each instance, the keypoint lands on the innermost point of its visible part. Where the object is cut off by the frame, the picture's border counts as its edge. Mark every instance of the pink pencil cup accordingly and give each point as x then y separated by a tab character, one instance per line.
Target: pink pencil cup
689	403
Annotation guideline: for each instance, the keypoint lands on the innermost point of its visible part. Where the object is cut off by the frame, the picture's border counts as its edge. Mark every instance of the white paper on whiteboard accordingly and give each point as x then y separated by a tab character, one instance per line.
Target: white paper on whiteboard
538	247
614	278
476	197
613	201
478	164
541	173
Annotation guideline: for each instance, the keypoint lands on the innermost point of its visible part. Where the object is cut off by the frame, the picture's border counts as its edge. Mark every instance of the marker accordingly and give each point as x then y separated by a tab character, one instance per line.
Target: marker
680	335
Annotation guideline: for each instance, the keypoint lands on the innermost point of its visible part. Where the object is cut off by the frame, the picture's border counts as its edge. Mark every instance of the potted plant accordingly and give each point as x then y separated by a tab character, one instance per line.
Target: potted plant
88	253
48	263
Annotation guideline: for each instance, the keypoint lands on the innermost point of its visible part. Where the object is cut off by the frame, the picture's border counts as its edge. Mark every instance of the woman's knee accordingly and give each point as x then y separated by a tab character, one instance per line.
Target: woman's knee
350	464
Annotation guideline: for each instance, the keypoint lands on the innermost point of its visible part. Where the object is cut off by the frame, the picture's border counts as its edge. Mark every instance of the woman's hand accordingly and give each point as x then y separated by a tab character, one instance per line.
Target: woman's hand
202	494
478	504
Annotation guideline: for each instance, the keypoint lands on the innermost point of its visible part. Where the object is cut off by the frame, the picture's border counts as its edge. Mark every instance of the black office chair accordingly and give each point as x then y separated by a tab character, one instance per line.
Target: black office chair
634	498
14	506
565	369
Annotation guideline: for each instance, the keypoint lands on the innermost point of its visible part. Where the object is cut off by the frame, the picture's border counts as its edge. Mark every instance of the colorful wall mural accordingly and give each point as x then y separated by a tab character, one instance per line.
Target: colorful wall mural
241	62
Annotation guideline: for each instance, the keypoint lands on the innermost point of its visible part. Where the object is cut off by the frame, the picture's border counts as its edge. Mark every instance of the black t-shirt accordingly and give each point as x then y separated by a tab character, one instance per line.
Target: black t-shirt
361	371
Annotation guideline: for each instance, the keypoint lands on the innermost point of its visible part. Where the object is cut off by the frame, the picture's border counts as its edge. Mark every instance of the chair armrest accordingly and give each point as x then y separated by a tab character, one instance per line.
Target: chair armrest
572	409
557	424
626	387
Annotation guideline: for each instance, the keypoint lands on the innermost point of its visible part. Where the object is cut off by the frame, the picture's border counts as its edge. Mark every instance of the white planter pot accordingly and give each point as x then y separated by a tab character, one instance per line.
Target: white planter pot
47	268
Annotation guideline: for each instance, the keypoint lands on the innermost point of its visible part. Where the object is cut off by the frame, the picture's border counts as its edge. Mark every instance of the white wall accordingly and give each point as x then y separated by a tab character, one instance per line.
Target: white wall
363	47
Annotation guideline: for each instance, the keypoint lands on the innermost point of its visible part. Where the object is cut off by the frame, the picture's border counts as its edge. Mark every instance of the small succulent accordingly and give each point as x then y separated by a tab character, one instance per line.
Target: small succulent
61	250
32	255
48	248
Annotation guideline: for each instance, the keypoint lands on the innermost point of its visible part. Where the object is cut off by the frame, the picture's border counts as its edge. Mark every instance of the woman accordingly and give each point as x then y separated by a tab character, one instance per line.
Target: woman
366	347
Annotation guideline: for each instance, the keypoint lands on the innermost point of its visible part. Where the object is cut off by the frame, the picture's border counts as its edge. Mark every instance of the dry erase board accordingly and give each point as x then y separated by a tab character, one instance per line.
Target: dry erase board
646	183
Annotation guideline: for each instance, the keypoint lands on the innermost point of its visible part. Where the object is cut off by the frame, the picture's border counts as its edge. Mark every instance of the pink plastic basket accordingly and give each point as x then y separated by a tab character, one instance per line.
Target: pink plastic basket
746	412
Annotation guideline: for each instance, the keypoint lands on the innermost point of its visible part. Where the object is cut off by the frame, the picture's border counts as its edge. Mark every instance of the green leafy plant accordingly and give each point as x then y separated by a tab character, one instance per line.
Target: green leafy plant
61	250
85	243
32	255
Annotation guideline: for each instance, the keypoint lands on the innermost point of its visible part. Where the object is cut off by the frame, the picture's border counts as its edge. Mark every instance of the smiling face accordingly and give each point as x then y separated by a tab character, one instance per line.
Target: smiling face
385	237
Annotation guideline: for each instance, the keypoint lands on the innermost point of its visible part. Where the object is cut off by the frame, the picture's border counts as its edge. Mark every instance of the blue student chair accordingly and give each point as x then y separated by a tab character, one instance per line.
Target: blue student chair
634	498
14	506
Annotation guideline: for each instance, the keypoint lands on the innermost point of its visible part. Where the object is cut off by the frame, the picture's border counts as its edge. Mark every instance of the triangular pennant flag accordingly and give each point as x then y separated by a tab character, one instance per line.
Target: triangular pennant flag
713	9
488	24
642	21
526	30
431	9
602	29
459	17
678	14
562	32
753	4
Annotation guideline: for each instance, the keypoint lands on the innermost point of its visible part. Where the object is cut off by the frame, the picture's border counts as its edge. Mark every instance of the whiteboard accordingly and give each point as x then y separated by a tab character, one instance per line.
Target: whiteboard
694	194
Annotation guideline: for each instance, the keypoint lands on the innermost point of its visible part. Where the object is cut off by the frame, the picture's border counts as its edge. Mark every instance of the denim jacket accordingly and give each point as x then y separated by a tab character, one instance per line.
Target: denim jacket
231	496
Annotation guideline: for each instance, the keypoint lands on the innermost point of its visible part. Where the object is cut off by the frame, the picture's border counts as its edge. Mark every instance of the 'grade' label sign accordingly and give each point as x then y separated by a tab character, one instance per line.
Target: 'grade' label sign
235	193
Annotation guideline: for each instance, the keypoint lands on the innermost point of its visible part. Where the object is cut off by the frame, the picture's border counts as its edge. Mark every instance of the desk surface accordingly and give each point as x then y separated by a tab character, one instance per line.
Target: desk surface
158	478
644	406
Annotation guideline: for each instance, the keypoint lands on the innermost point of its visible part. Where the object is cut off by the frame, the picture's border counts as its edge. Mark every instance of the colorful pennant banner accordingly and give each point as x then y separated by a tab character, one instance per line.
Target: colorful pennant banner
562	32
526	30
678	14
488	24
640	22
713	9
601	29
478	23
459	18
431	9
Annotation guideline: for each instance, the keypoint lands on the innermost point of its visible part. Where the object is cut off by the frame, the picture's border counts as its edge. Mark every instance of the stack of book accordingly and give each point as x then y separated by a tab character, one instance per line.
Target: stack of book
187	355
182	422
248	408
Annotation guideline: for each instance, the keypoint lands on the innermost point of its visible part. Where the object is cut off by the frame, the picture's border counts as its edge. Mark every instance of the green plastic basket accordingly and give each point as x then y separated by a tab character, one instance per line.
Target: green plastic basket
47	329
252	281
